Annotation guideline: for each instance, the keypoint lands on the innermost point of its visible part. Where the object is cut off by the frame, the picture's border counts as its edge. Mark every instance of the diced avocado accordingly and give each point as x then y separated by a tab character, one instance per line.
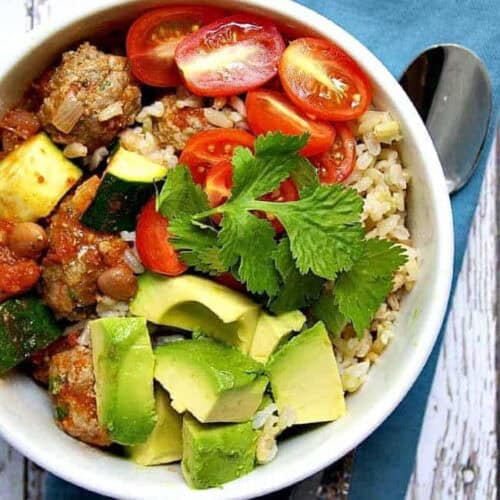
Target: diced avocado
213	381
214	454
271	330
305	378
127	184
195	303
33	178
26	326
123	367
164	444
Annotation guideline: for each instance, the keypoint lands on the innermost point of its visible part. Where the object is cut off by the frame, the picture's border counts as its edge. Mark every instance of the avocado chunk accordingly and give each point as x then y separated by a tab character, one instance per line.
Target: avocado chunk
33	178
214	454
164	444
305	378
213	381
123	366
271	331
194	303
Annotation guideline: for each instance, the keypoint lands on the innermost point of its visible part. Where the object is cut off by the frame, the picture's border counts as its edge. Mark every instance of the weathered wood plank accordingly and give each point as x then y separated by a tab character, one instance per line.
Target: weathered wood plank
458	447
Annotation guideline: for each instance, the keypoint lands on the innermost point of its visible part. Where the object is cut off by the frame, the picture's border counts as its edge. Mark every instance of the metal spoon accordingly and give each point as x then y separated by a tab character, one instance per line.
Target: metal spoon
450	87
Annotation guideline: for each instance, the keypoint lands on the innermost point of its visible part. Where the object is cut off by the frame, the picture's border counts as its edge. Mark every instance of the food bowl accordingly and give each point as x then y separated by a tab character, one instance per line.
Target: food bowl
25	410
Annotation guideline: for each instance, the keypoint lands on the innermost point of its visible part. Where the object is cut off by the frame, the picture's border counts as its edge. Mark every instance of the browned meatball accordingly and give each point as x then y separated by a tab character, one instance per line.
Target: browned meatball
71	384
76	257
176	125
90	97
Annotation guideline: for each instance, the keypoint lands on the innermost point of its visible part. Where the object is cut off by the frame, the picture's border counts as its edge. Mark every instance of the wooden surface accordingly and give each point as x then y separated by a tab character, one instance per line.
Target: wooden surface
457	454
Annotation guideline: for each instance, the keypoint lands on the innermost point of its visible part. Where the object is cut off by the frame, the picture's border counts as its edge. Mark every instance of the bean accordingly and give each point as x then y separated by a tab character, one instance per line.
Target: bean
118	282
27	240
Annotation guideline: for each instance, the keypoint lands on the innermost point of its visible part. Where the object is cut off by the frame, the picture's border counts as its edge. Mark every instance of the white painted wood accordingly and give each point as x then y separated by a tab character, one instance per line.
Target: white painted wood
458	446
456	456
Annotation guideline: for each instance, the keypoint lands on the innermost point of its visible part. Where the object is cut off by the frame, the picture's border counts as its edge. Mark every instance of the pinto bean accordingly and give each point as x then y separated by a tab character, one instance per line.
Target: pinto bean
27	240
118	282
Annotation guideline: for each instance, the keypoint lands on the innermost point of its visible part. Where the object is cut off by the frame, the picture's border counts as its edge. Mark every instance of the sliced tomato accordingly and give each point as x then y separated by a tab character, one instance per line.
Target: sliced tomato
271	111
218	189
154	249
337	164
207	148
152	39
322	80
230	56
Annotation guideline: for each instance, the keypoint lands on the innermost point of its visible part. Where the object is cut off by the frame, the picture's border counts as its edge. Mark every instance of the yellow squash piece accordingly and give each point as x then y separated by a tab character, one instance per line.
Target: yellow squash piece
33	178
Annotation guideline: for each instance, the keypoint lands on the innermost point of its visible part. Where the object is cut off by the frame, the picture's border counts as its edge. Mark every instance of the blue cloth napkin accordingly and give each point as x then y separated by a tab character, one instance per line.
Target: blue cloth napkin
396	32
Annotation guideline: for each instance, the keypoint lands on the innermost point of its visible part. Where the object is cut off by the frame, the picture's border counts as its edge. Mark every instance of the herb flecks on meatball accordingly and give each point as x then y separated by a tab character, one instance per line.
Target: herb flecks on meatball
90	97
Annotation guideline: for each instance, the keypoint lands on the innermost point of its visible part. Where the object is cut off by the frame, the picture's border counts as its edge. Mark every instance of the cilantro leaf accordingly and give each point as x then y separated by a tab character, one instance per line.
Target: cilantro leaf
276	156
305	177
297	290
326	235
197	244
180	195
360	291
247	243
327	310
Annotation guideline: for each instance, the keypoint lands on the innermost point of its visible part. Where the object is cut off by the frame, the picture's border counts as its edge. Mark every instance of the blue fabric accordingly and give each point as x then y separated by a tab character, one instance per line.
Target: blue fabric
396	32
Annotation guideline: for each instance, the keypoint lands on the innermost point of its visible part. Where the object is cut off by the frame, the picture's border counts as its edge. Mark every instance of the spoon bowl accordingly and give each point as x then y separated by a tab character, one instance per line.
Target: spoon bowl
450	87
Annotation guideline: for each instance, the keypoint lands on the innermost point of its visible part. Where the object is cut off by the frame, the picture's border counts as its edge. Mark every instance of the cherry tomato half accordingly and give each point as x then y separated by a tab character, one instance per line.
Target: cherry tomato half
322	80
337	164
210	147
154	249
271	111
230	56
152	39
218	189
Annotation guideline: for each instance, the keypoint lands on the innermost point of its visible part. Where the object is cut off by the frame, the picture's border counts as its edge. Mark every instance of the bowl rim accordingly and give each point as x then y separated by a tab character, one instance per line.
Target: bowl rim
439	201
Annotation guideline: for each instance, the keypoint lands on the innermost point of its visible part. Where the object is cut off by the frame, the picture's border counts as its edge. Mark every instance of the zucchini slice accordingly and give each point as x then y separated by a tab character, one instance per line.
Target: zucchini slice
26	326
127	184
33	178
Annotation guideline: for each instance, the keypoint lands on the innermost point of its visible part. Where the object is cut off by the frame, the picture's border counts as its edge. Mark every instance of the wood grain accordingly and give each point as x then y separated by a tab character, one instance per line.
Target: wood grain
458	448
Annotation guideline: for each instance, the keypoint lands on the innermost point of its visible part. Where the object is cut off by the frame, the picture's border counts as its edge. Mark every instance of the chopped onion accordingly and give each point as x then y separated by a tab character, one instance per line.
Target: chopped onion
67	114
260	418
128	236
238	105
115	109
217	118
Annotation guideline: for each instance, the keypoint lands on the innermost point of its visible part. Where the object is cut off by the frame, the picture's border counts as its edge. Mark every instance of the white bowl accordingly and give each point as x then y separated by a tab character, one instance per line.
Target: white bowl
25	412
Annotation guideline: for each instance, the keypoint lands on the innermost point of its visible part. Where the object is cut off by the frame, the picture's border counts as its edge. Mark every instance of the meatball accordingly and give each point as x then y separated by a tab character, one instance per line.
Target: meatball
76	257
89	98
176	125
71	384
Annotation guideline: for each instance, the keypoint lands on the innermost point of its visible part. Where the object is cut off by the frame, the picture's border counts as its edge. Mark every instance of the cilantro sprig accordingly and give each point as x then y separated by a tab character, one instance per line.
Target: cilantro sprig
358	292
324	237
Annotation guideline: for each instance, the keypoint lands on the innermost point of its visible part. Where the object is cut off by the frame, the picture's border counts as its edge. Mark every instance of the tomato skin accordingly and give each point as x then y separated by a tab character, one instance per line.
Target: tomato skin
207	148
332	169
218	189
271	111
230	56
227	279
323	81
151	50
153	247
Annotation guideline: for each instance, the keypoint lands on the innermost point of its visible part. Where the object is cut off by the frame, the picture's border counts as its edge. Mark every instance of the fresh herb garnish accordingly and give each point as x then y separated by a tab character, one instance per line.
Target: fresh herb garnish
324	235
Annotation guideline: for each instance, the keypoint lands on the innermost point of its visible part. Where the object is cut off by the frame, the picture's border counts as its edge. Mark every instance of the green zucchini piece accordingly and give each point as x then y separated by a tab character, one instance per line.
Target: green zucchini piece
26	326
33	179
126	186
